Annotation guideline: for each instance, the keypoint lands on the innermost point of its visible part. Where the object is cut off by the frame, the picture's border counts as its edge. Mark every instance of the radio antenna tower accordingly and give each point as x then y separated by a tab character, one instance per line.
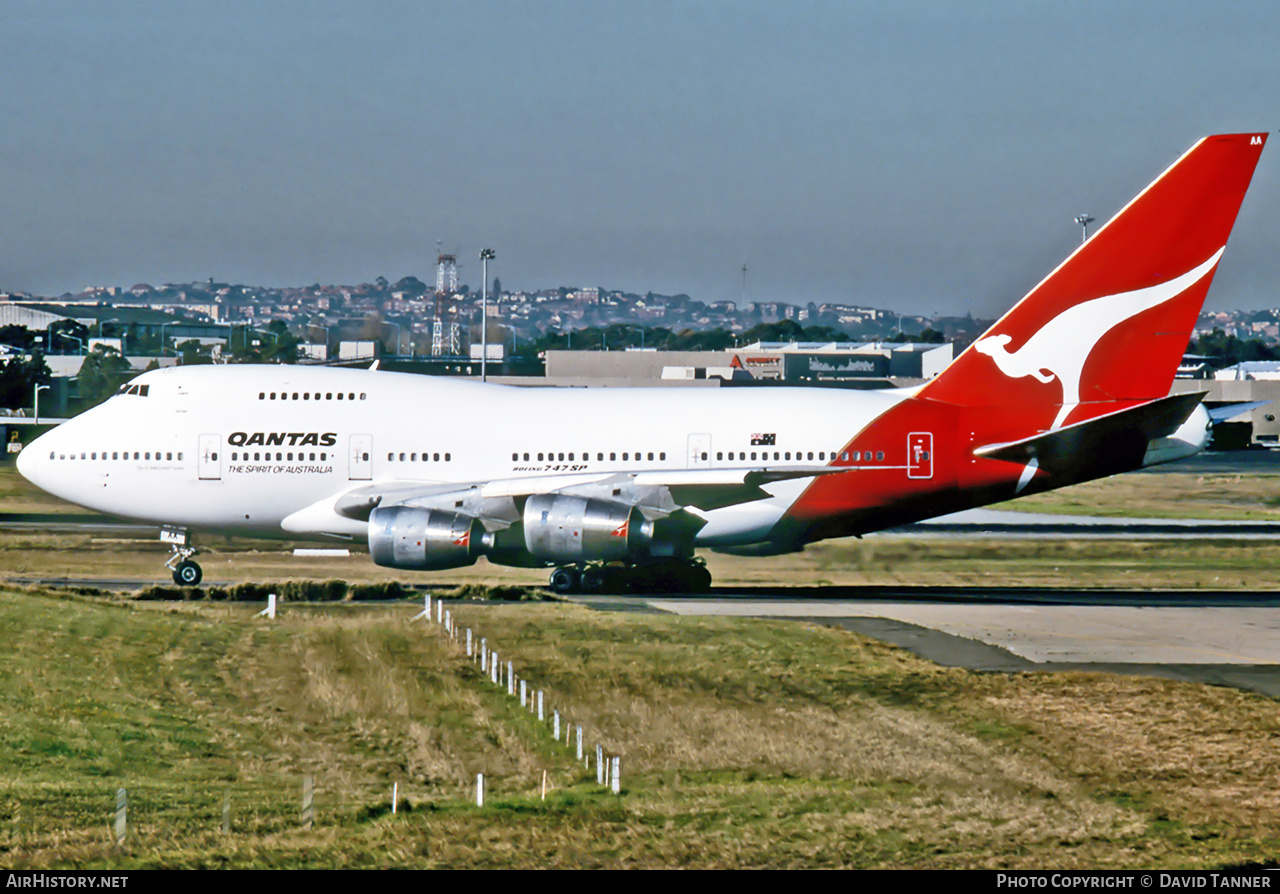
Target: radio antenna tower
446	286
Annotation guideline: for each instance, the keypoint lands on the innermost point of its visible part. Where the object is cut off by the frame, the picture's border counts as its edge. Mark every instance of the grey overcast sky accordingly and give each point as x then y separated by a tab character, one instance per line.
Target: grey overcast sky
923	156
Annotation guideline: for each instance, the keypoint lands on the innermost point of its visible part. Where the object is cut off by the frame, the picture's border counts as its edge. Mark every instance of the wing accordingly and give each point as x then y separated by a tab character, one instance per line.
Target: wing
498	504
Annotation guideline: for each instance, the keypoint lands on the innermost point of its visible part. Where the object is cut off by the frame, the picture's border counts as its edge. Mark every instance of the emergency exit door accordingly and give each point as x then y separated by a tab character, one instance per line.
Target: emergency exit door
360	458
209	457
920	454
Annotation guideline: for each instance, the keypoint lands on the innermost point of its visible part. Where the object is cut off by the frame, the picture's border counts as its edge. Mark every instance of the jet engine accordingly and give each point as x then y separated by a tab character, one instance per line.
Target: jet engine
423	539
562	528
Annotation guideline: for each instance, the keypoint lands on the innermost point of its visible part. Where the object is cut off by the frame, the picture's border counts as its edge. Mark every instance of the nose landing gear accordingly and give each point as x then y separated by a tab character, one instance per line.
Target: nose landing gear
186	573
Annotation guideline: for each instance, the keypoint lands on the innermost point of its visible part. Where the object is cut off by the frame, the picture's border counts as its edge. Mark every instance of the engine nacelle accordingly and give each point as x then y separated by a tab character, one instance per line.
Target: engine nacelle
423	539
562	528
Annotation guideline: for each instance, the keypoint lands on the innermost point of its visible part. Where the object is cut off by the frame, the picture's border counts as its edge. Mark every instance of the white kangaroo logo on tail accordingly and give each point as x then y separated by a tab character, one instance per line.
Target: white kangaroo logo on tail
1061	347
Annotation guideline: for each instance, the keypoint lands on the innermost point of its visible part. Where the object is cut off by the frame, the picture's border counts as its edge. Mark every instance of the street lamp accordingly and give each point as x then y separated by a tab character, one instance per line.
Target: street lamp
1084	220
39	388
486	254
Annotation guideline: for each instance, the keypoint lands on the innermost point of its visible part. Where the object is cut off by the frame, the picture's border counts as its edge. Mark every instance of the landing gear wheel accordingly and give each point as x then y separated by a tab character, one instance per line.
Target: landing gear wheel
564	580
594	580
698	579
187	574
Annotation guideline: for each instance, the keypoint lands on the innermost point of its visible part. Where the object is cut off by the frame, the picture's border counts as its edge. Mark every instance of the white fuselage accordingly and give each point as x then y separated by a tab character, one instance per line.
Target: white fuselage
244	448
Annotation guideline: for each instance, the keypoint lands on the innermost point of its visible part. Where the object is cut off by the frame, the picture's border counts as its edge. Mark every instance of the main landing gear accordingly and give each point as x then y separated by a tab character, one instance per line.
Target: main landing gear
671	576
186	573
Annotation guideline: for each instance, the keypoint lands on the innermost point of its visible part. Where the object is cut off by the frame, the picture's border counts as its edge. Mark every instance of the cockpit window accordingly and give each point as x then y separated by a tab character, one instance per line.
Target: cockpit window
139	390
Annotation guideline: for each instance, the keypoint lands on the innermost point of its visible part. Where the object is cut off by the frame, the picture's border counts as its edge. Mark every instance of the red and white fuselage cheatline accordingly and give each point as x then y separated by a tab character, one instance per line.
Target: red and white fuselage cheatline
618	486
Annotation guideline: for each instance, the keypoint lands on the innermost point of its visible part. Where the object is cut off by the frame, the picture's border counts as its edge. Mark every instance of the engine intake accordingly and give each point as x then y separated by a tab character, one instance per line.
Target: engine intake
423	539
562	528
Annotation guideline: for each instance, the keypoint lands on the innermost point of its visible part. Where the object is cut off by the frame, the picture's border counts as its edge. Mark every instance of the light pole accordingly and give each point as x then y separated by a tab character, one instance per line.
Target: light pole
486	254
39	388
1084	220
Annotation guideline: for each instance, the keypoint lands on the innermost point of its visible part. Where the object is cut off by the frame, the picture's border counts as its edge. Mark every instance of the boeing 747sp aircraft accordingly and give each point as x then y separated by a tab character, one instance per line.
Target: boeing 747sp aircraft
616	488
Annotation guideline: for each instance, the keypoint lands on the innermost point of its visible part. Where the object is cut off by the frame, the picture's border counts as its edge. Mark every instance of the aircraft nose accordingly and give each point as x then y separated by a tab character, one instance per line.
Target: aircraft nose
29	461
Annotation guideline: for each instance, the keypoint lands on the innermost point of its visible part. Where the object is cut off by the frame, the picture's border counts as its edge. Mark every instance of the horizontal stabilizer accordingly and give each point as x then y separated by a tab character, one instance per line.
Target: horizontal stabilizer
1230	411
1065	449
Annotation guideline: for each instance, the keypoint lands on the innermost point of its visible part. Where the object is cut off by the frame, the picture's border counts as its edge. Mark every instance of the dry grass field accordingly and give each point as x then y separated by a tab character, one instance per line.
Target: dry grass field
743	744
1245	497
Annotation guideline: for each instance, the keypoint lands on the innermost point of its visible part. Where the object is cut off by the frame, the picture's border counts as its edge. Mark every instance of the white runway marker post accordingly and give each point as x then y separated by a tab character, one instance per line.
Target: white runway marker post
270	610
599	765
308	803
479	789
122	809
395	796
426	611
542	718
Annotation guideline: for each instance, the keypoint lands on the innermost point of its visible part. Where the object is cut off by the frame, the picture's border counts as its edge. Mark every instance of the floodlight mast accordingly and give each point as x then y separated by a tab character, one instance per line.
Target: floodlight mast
486	254
1084	220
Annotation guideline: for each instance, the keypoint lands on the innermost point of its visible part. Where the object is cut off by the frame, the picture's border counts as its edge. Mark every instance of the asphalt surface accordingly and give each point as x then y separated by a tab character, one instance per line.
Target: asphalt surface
1228	638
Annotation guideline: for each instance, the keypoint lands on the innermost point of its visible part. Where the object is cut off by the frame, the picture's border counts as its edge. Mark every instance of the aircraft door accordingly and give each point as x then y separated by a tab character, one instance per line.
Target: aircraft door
699	451
209	458
360	458
920	454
